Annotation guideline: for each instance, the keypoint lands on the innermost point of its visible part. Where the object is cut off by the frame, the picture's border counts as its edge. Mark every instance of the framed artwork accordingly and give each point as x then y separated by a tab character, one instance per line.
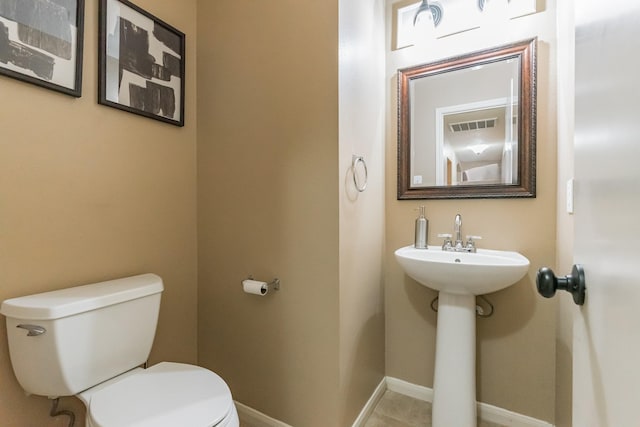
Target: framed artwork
41	43
141	63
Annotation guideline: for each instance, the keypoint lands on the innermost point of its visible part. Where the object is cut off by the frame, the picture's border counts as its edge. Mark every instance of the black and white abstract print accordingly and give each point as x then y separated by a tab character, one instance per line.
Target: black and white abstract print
143	63
38	39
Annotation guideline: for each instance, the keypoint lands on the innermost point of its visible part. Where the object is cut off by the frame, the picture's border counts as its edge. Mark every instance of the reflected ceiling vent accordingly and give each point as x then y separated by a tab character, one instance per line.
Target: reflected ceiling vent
473	125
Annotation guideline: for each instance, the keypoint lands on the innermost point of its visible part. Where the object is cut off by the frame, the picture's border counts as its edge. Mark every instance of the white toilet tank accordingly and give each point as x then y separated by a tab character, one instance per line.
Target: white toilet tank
66	341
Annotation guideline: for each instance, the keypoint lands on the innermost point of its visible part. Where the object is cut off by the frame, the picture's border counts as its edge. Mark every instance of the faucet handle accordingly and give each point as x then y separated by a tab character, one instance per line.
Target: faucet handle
471	243
445	236
447	244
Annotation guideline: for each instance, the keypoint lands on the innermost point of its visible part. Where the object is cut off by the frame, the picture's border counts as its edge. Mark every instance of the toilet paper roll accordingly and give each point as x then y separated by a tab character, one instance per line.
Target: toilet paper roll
255	287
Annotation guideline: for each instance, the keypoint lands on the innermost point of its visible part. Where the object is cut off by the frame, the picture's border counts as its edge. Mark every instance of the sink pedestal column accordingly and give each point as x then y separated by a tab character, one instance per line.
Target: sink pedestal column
454	384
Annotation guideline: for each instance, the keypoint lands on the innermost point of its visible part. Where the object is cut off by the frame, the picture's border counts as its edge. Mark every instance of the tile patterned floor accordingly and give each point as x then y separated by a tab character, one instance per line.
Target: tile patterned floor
397	410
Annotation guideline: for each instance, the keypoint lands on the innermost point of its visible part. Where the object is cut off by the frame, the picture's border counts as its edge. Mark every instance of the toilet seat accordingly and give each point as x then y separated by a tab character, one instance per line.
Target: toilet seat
164	395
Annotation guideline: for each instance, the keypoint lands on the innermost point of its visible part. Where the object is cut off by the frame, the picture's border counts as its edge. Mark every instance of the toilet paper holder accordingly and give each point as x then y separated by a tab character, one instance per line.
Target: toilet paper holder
274	284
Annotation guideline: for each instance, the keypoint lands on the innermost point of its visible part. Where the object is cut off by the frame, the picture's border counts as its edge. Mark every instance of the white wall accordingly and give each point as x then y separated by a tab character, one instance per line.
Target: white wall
564	258
361	129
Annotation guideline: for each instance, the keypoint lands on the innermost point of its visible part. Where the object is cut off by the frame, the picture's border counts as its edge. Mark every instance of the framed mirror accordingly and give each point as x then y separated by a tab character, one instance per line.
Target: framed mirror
467	125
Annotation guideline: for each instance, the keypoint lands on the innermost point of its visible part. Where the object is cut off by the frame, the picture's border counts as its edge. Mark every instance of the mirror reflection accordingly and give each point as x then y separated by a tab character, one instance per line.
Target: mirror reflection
467	126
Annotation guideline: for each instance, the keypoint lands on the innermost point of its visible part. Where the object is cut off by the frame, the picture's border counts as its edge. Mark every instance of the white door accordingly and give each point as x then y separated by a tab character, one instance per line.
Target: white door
606	349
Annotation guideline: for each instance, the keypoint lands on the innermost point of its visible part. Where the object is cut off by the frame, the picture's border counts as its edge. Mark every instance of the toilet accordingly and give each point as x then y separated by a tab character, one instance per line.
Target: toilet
92	342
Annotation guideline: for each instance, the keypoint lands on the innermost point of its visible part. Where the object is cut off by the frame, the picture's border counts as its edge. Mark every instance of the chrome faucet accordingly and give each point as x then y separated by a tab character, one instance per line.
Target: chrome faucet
458	244
457	229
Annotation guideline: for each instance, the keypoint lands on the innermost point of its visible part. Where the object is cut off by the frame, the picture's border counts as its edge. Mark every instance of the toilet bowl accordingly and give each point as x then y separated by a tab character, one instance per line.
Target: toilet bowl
91	341
166	394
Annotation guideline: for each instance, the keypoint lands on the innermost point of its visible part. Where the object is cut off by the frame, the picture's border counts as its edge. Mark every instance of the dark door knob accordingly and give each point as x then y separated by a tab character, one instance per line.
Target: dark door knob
574	283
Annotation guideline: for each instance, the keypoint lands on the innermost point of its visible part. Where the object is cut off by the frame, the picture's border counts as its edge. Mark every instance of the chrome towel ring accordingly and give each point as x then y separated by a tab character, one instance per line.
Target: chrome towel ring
355	160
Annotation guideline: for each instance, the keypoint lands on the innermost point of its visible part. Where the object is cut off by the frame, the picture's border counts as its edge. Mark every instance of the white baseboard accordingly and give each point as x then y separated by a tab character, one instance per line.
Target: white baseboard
256	418
412	390
501	416
485	411
371	404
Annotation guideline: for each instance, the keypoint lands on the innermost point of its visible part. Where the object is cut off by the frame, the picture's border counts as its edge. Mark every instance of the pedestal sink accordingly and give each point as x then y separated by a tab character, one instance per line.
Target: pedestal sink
459	277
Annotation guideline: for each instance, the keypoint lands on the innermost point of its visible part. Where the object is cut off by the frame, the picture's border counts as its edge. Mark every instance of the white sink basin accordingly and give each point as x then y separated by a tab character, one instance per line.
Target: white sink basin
463	273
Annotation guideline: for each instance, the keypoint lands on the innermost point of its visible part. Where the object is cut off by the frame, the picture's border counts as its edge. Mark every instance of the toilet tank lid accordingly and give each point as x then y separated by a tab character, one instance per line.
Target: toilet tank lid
79	299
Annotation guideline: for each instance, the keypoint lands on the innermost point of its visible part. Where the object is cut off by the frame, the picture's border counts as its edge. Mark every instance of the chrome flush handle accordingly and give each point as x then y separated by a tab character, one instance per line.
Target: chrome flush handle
34	330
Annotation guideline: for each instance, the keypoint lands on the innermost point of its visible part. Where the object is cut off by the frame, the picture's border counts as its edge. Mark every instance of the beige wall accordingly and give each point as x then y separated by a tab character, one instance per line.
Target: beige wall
275	199
109	194
268	203
516	346
115	195
89	193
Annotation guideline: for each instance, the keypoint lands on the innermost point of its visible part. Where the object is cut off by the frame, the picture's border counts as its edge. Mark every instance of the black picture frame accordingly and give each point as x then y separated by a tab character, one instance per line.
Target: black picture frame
41	43
141	63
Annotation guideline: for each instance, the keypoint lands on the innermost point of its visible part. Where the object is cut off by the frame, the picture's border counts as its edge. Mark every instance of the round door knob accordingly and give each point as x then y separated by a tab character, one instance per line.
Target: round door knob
547	283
